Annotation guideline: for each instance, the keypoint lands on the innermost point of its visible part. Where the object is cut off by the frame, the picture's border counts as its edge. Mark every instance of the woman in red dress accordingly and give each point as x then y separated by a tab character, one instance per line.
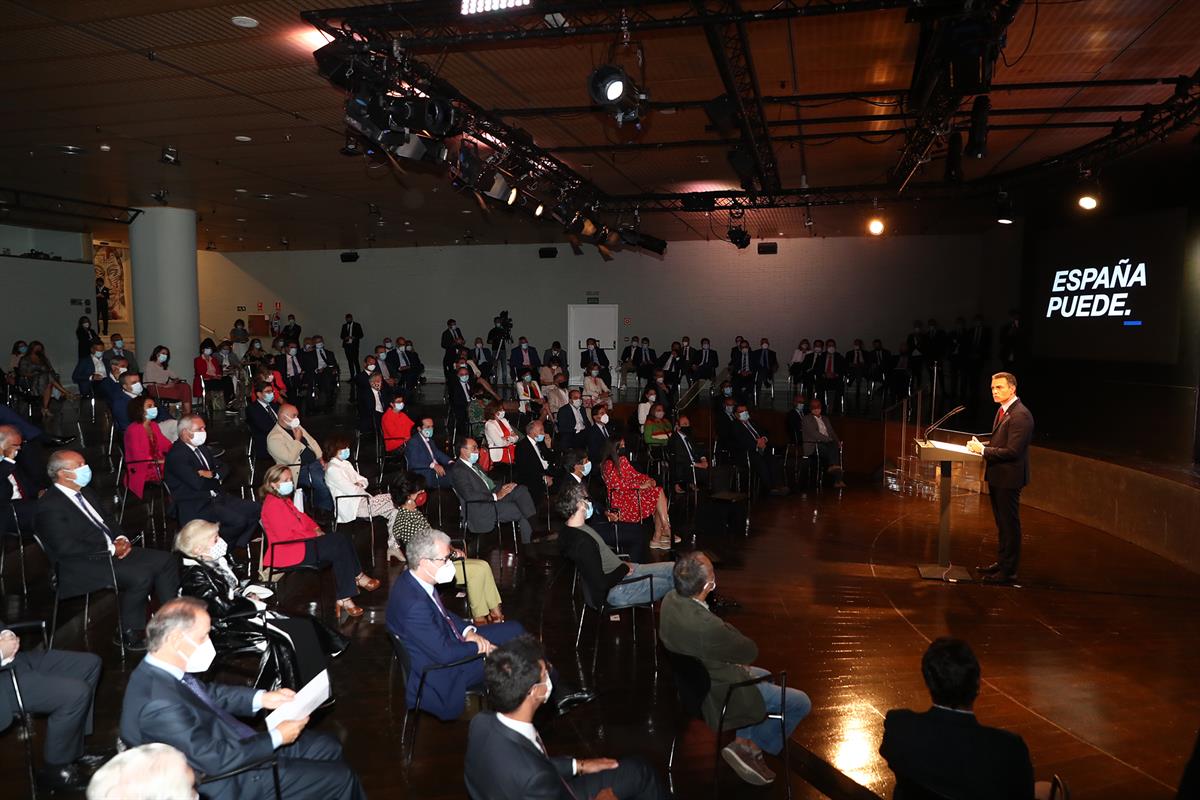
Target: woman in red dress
283	522
635	496
209	375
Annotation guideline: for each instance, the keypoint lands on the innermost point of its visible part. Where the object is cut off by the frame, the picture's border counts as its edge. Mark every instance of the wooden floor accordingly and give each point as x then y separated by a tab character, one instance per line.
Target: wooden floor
1093	661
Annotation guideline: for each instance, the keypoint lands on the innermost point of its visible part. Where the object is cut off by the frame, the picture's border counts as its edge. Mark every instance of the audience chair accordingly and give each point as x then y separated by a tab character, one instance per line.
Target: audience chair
370	520
160	485
67	593
8	673
478	533
272	571
401	657
8	511
601	607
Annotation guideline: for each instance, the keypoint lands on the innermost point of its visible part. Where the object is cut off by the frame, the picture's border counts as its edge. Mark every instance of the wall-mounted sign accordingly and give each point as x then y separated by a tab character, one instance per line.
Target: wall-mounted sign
260	306
628	321
241	308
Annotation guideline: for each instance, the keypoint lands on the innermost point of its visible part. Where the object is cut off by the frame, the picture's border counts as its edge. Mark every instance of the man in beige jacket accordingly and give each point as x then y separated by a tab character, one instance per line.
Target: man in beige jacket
290	445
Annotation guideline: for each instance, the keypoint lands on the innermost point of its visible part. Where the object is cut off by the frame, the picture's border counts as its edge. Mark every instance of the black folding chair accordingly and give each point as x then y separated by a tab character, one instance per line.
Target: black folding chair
85	590
273	570
370	518
465	523
9	511
24	718
407	746
601	607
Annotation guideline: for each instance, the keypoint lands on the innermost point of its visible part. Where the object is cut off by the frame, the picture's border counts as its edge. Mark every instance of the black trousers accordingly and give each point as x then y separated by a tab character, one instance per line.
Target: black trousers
336	550
310	657
312	766
351	352
1006	509
139	573
225	385
326	381
632	780
766	468
238	518
62	684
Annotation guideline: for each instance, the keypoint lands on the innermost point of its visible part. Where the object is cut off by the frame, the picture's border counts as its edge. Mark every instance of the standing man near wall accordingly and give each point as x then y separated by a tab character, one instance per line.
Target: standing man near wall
1007	471
352	334
102	295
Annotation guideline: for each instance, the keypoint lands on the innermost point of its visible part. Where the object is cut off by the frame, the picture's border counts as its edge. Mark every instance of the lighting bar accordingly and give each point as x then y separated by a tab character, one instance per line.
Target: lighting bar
484	6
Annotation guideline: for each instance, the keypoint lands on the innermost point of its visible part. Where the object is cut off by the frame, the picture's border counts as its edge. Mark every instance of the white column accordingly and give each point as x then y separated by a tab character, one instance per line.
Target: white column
166	294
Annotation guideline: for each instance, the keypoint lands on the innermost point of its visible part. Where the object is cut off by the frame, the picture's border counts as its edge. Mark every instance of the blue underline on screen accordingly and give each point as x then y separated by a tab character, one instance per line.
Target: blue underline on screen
1132	323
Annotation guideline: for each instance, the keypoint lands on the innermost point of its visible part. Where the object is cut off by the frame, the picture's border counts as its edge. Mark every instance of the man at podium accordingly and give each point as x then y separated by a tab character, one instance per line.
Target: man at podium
1006	456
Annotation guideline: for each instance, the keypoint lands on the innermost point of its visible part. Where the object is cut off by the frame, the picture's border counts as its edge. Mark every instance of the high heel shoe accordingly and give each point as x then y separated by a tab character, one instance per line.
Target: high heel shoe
367	583
348	608
396	553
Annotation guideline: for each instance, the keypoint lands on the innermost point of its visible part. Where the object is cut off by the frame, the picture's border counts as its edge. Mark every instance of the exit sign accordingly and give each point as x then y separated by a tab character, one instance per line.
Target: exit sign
593	301
241	308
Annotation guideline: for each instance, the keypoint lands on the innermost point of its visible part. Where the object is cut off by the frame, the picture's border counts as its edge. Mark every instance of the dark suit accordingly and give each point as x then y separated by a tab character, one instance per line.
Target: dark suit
741	374
260	419
291	332
672	365
517	361
368	418
706	364
420	452
795	426
597	440
460	399
326	377
1007	471
766	363
527	467
482	513
353	332
502	764
194	499
684	454
80	547
644	359
120	410
565	423
452	339
431	638
159	708
483	358
950	753
25	507
596	356
59	683
744	441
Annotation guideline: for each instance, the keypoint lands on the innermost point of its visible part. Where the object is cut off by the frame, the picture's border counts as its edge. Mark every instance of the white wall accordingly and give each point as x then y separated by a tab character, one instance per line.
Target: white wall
44	300
843	287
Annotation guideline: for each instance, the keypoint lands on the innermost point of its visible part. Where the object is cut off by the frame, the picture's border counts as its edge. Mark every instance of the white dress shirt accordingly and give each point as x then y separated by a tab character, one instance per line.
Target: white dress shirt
16	487
532	441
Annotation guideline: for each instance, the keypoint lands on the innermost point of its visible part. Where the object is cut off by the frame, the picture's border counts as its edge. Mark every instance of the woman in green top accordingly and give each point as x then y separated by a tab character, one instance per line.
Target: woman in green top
657	428
408	493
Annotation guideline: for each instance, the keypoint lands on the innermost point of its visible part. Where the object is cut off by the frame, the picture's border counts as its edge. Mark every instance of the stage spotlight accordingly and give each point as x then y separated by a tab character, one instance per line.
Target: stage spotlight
875	227
484	6
433	115
1087	189
1004	212
611	88
632	237
1088	201
739	237
498	189
978	133
420	148
537	212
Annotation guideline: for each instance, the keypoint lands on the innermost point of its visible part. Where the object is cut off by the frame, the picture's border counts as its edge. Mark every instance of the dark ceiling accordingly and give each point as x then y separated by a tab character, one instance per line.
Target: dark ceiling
138	75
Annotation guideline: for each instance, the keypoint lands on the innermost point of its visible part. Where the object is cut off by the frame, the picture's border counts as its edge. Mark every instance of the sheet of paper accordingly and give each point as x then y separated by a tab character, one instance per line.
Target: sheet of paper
304	703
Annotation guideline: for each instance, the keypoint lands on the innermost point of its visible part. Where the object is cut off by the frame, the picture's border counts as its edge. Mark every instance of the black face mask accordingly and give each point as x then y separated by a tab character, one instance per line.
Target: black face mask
684	428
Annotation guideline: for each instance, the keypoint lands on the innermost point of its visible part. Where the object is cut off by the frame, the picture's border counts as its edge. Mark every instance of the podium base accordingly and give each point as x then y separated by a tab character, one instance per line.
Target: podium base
949	574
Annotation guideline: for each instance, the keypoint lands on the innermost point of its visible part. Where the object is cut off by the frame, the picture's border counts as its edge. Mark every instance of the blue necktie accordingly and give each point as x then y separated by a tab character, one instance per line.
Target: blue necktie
240	729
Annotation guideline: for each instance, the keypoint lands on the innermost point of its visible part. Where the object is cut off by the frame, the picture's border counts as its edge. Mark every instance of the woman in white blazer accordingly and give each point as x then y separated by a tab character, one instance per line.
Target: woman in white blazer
344	480
500	435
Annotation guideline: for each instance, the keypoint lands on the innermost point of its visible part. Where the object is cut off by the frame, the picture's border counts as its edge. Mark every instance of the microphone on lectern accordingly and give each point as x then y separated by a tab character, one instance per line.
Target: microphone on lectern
939	423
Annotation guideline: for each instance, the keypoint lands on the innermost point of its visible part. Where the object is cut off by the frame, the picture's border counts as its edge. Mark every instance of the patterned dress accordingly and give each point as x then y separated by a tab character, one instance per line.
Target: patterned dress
625	494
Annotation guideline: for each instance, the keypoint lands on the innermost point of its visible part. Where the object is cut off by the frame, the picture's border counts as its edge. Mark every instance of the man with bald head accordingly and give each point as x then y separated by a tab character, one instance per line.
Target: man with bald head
290	445
81	536
194	475
15	488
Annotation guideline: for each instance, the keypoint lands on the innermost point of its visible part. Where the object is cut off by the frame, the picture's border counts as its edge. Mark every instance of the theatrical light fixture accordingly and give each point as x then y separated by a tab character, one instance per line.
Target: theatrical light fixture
875	227
632	237
1004	212
537	212
512	196
978	132
739	237
170	155
1088	201
614	90
1088	190
433	115
484	6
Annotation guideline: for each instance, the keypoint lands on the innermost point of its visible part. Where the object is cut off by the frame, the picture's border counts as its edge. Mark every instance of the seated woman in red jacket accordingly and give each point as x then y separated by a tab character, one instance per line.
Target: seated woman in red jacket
283	522
635	496
145	446
209	375
397	426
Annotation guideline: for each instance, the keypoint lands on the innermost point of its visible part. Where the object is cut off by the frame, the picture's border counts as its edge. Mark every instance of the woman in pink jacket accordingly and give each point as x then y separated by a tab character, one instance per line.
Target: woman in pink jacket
145	446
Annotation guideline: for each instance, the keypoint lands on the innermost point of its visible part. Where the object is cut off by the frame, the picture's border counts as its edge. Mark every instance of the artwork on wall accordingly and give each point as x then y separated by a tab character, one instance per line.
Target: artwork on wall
112	265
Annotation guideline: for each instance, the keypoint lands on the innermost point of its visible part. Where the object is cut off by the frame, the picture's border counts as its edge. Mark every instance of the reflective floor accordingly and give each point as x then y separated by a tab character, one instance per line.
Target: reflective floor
1092	660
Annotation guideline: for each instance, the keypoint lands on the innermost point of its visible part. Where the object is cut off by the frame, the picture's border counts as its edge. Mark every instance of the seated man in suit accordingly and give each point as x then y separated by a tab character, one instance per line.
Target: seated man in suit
945	751
322	367
384	362
645	360
506	758
686	626
90	370
572	423
627	357
831	375
16	489
673	365
741	373
118	350
425	458
432	635
165	702
374	398
81	537
524	358
408	363
131	387
461	390
689	467
483	358
629	538
289	444
194	476
594	354
795	419
598	433
61	684
261	416
766	363
706	362
724	417
534	464
294	377
488	504
822	439
749	441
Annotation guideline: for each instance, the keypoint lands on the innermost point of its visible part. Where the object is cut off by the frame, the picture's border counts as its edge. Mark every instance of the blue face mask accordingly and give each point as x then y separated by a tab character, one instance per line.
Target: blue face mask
344	454
472	458
463	378
587	468
269	397
152	412
588	514
83	475
539	437
727	391
427	433
286	488
119	344
22	349
744	416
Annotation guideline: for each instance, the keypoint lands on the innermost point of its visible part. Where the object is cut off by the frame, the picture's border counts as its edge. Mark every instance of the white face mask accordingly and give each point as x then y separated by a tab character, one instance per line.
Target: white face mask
499	415
549	684
202	657
219	549
370	367
577	403
604	419
199	437
445	573
294	423
136	388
